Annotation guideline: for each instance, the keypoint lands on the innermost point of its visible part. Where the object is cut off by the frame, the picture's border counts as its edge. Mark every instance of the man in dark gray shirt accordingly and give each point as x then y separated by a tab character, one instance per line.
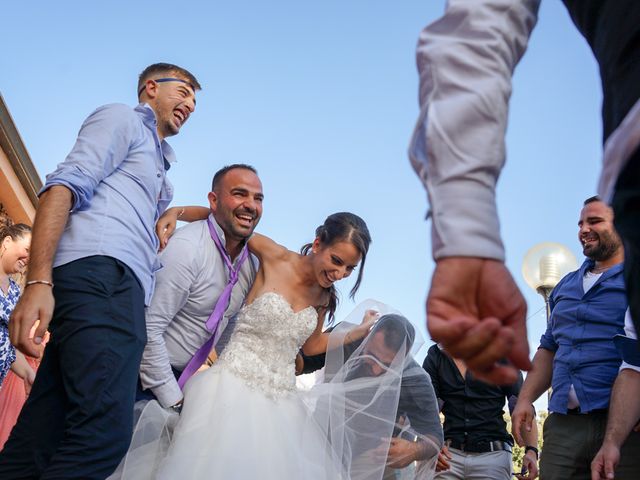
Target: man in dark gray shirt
416	404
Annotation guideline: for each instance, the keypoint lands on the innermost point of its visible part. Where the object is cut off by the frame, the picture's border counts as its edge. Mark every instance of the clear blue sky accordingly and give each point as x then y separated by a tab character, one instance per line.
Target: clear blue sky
322	98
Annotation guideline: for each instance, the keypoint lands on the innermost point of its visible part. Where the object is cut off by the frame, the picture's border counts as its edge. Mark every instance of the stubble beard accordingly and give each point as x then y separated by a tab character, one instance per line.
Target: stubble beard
608	246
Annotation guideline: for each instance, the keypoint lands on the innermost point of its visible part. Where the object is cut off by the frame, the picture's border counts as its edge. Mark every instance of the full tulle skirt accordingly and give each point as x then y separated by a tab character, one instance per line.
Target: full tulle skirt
228	430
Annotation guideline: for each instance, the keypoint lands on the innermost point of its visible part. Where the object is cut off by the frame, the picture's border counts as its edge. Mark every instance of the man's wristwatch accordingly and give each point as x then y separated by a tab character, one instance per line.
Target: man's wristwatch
532	448
178	408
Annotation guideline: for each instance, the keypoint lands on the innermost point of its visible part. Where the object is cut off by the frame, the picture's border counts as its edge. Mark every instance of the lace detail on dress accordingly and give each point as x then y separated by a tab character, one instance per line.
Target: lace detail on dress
264	344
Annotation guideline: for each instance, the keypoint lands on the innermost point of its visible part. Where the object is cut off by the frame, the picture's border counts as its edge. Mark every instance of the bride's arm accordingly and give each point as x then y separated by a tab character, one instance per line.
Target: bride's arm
318	341
266	249
166	224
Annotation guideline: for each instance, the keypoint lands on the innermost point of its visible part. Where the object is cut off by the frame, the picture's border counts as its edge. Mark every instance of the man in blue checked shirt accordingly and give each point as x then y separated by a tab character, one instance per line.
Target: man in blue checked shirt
578	358
93	258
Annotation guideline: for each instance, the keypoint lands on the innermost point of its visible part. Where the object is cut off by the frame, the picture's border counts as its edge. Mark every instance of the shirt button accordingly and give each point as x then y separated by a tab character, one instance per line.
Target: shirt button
158	174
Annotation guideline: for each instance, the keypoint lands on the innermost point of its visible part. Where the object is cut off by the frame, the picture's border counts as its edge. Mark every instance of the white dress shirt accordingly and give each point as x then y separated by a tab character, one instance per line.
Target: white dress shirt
187	288
466	61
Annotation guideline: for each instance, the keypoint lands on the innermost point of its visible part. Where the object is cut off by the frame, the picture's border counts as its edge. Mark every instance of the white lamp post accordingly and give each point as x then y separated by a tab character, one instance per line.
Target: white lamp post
544	265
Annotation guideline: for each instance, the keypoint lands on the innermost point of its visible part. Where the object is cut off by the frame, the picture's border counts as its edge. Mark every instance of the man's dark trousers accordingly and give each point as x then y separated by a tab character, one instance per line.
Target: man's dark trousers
78	419
571	441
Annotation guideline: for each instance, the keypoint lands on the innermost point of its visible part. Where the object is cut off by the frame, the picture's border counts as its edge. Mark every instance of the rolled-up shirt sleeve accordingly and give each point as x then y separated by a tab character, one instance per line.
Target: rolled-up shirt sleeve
465	61
173	283
547	341
102	145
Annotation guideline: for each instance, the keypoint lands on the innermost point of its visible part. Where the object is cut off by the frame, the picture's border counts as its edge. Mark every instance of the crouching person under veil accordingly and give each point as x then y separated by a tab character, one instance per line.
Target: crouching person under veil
376	403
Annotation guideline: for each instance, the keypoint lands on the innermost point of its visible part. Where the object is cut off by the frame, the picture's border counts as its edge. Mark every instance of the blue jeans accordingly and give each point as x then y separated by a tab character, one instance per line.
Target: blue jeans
77	421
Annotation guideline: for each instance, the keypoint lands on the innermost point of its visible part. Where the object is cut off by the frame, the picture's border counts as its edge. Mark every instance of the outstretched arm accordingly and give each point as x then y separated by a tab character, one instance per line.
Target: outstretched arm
318	342
266	249
166	224
465	61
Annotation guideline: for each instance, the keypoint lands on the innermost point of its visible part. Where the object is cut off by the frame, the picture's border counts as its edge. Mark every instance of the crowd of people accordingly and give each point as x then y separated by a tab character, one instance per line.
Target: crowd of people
182	363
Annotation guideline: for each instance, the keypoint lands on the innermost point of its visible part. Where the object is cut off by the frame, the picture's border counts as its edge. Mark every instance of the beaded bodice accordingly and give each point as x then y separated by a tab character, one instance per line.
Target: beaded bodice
267	337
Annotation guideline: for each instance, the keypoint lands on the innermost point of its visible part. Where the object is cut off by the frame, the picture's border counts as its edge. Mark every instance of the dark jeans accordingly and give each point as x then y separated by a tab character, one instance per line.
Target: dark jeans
571	442
77	421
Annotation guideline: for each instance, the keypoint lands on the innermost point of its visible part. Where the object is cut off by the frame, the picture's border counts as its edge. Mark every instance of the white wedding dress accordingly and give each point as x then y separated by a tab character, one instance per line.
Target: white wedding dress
243	418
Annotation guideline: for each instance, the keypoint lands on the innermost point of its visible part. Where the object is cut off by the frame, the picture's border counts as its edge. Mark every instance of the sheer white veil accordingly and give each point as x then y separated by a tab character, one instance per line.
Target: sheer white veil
374	390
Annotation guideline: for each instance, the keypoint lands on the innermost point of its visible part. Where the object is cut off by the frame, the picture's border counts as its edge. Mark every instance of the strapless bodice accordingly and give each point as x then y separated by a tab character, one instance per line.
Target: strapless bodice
266	339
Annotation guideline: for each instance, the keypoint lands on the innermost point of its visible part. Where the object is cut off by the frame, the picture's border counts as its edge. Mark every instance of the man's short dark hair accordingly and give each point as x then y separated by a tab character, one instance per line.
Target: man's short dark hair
589	200
398	331
223	171
167	69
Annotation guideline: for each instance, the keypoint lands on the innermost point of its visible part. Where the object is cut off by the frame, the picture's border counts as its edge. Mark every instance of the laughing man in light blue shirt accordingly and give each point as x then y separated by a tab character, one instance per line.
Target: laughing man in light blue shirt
94	238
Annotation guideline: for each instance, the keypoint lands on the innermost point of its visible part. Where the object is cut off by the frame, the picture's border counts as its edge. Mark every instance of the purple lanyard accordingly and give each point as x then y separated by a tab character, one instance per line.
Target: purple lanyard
221	305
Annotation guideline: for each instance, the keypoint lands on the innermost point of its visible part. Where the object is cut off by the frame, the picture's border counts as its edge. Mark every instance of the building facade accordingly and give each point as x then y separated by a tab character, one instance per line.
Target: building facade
19	180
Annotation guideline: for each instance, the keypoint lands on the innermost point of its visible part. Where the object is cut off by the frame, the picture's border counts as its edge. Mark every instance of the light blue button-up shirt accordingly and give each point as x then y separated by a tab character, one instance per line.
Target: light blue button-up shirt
116	172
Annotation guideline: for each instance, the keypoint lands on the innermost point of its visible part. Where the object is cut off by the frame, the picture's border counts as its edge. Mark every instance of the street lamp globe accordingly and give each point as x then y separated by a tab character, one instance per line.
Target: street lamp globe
544	266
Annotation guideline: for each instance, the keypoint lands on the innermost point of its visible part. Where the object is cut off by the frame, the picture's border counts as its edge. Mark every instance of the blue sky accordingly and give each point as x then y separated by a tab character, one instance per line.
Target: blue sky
322	98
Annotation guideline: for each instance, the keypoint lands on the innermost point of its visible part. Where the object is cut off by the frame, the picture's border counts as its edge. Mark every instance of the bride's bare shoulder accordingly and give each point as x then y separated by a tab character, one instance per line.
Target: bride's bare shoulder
267	250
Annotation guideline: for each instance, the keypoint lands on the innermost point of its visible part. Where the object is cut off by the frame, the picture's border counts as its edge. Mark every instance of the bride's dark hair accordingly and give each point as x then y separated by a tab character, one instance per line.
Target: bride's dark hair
342	227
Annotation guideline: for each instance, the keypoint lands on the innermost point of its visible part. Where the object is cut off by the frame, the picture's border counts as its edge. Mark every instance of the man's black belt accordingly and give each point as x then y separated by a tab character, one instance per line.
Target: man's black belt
480	447
596	411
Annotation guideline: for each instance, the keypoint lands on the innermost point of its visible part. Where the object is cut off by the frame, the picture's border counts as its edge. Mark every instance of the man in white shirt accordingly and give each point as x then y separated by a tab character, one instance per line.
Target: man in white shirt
466	60
193	278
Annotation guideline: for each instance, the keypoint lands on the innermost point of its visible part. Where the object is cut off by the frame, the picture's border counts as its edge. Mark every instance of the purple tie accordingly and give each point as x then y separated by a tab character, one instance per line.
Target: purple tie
221	305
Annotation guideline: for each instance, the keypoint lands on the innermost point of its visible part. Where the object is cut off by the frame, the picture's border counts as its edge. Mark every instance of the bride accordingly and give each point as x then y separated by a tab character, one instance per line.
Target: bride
243	418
